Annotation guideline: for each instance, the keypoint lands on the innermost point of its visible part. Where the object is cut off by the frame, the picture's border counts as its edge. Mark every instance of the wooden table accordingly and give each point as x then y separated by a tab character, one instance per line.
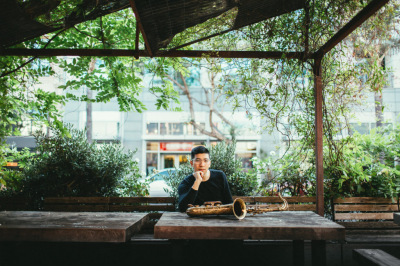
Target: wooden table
396	218
297	226
70	226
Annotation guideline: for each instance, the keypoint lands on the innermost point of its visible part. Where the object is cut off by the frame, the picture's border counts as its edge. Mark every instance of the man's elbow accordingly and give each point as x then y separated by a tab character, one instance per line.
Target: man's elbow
182	208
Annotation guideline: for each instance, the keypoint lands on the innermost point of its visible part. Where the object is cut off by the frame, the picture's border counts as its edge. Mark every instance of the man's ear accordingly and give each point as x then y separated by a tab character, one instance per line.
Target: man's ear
191	163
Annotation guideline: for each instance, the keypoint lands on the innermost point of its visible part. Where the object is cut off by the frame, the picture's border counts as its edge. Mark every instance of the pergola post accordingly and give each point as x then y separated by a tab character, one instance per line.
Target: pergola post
318	133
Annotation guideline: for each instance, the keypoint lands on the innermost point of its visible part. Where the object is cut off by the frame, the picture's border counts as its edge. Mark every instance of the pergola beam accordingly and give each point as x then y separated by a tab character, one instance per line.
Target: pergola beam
142	53
353	24
139	23
319	159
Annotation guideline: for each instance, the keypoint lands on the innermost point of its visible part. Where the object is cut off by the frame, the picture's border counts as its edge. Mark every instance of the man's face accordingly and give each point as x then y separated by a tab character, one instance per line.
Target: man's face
201	162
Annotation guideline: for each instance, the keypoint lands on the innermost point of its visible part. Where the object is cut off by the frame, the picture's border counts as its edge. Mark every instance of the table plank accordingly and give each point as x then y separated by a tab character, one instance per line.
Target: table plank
396	218
70	226
286	225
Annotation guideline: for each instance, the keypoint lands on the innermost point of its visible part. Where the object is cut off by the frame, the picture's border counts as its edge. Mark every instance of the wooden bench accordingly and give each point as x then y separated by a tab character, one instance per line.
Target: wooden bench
365	213
113	204
295	203
374	257
14	204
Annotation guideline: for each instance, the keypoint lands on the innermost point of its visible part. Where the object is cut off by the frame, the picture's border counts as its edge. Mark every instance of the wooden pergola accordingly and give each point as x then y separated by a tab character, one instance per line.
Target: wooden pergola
273	8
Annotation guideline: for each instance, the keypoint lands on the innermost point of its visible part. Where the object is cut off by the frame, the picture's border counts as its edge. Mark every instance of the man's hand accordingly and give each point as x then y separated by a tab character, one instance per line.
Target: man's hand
199	177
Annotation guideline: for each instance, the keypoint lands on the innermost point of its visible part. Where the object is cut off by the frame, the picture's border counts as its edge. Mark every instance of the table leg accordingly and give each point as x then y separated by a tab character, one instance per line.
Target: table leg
177	252
298	252
318	252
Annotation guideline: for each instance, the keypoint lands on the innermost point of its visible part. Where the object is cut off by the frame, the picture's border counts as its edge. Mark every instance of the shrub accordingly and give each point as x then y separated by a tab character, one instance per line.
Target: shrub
175	178
70	166
223	158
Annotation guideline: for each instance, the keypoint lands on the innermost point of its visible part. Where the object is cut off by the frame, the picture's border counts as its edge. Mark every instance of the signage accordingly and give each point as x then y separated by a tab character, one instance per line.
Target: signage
176	146
12	164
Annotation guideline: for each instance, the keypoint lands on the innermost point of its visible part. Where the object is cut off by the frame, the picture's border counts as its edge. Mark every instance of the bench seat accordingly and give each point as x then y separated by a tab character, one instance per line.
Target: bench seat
374	257
365	213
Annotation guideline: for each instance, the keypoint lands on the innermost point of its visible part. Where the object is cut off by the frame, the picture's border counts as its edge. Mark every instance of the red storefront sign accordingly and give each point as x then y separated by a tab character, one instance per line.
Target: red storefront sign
176	146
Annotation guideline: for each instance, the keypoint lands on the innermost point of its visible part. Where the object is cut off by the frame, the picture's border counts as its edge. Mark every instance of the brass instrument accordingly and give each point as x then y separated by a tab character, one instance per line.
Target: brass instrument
237	208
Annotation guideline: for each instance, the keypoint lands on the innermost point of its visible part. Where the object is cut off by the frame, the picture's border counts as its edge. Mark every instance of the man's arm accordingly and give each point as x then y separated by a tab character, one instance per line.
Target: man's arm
226	194
187	195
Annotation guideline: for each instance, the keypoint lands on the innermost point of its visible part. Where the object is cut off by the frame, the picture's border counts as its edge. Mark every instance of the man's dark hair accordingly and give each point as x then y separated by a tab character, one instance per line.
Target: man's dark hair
199	149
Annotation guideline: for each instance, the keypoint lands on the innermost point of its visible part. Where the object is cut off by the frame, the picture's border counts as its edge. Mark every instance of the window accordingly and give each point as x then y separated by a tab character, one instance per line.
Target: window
105	130
384	125
171	128
196	131
151	162
245	157
152	129
362	128
246	146
152	146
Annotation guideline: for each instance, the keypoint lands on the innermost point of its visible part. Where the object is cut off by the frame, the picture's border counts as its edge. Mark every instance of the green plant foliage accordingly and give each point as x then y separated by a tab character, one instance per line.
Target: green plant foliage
223	158
70	166
367	166
175	178
10	179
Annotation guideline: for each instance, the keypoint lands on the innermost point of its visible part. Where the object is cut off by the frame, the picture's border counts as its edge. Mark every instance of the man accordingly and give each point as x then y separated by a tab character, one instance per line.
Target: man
204	184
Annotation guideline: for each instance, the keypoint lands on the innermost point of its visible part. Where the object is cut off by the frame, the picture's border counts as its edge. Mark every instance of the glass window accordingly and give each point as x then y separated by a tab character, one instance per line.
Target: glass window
151	162
246	146
384	125
152	129
360	128
105	130
152	146
169	161
196	131
28	127
183	158
171	128
245	157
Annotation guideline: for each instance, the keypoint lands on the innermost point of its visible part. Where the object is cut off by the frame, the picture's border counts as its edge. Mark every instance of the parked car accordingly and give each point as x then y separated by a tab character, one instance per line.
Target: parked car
157	183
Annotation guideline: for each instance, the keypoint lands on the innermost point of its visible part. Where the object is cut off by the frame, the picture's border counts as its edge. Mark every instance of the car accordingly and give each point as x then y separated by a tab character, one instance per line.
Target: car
157	183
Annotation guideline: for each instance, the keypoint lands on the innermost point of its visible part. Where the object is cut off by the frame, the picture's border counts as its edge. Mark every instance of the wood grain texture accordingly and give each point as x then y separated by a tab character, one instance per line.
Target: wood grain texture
364	216
289	199
369	257
273	226
77	208
364	200
380	207
76	200
367	238
369	225
141	208
292	207
245	199
142	200
70	227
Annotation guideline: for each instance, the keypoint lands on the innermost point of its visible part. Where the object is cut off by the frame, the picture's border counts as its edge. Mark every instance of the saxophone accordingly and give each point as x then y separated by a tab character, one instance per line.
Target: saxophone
237	208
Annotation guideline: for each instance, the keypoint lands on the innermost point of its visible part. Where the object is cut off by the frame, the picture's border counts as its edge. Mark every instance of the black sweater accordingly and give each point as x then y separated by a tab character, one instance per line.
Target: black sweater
216	188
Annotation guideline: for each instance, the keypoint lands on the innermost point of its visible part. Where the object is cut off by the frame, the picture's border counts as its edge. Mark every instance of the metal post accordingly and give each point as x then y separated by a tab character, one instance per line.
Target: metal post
319	133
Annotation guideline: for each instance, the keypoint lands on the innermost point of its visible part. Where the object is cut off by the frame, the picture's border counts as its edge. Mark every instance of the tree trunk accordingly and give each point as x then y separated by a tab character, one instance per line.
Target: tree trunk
89	126
378	109
89	116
